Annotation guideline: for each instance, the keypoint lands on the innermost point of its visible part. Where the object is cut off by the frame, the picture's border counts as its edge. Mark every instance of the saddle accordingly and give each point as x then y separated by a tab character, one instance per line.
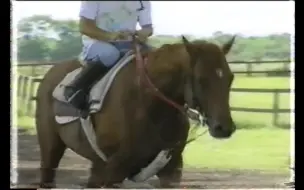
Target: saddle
97	92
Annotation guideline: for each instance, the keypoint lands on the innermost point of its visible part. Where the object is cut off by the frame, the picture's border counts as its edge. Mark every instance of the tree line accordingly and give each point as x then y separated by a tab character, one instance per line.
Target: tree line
42	38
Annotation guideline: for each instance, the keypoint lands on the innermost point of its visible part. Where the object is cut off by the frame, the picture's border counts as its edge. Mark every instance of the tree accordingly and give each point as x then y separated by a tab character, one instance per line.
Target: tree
31	49
44	38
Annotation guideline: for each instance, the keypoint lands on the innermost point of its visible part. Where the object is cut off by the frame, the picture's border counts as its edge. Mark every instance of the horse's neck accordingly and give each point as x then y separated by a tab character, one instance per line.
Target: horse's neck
166	73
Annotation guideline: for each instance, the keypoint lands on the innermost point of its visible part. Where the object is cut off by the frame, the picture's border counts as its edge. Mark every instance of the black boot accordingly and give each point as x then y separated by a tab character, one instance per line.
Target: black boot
77	92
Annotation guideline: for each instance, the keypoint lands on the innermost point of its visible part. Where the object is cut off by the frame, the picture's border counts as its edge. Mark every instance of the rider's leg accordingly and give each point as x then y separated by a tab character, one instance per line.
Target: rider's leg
100	57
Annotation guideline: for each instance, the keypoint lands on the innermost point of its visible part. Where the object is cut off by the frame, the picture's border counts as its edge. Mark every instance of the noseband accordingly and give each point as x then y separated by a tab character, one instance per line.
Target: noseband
191	101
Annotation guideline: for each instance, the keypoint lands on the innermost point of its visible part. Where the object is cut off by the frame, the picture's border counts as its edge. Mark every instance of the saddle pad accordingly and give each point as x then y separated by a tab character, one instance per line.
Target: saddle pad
100	89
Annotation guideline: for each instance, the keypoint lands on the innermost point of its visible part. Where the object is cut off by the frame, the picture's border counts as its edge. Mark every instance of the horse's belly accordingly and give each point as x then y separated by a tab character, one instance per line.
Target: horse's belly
73	136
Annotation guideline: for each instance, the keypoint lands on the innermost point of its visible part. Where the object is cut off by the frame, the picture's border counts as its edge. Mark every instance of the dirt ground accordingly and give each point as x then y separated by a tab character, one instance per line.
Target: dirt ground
73	172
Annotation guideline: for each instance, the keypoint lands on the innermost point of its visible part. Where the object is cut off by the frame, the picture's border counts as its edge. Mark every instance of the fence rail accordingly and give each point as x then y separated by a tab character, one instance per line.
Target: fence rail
42	63
248	70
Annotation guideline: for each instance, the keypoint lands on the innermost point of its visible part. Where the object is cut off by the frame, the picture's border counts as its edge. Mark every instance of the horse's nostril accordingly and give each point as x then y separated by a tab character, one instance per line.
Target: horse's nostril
218	127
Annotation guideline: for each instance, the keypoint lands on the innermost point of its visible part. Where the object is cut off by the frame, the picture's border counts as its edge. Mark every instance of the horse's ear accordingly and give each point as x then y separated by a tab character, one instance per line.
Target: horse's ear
227	46
187	45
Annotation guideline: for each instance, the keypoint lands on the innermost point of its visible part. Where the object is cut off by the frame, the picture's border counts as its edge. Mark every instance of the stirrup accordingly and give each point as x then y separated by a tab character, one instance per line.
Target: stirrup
77	99
74	93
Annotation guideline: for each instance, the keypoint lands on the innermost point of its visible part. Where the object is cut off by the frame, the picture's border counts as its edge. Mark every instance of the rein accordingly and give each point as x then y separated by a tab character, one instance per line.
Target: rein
141	70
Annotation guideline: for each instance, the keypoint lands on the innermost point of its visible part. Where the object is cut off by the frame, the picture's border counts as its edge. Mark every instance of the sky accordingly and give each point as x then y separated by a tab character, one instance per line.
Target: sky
197	18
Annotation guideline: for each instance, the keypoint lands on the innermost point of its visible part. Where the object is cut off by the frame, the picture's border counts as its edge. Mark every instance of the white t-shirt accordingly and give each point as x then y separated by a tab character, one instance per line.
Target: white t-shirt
115	16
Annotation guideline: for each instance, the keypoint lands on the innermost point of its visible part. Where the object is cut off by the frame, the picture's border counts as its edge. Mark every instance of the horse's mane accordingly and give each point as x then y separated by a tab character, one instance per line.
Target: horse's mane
172	56
167	57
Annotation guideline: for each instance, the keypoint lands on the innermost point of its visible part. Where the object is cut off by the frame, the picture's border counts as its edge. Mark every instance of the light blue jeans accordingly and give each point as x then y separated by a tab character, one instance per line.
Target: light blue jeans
107	53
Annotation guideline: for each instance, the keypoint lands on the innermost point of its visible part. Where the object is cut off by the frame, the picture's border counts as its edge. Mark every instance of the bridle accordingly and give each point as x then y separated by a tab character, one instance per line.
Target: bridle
144	79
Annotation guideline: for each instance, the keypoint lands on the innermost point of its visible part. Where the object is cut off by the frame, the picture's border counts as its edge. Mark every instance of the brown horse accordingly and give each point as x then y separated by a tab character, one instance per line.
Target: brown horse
134	124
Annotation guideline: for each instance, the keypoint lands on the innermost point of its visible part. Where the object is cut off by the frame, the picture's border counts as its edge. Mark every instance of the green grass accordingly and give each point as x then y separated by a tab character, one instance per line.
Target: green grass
261	149
264	148
26	122
260	66
261	82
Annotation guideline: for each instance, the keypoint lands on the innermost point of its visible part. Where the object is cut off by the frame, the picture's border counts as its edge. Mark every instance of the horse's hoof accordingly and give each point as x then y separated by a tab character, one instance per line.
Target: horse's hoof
47	185
128	184
92	186
115	186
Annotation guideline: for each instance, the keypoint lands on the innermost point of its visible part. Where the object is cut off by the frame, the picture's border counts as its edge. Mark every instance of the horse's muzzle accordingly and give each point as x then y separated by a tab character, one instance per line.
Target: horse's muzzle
218	130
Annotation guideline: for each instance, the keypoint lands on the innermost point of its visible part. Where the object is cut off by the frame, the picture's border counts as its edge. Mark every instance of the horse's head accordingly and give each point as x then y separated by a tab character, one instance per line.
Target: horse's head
207	86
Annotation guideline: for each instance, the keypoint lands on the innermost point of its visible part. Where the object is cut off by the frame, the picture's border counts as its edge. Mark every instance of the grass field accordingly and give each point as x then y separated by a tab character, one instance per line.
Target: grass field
260	66
264	147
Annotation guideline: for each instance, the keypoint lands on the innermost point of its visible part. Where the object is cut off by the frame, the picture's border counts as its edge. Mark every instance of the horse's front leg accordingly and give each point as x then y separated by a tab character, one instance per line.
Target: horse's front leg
116	169
171	175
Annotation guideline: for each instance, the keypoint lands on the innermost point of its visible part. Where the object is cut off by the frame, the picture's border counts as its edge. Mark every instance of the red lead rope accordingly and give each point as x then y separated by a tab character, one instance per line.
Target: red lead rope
140	65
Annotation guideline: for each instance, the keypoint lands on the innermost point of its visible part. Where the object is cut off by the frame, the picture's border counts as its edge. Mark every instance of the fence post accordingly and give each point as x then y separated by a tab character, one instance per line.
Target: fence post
33	71
24	92
30	93
20	93
249	69
292	152
276	101
20	83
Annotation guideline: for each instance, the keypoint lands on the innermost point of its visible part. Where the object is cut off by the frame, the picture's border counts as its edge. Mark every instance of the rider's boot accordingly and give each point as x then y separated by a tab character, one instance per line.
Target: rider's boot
77	92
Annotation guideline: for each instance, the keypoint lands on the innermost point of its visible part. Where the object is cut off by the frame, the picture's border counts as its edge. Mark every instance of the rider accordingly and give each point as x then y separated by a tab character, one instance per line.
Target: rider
106	27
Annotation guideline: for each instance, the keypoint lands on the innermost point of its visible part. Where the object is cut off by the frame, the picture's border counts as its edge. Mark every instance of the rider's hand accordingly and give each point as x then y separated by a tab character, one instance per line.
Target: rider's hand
143	34
122	35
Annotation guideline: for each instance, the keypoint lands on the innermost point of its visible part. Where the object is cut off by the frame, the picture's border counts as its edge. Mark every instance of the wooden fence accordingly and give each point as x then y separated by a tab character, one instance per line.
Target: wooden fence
27	86
26	93
249	67
250	71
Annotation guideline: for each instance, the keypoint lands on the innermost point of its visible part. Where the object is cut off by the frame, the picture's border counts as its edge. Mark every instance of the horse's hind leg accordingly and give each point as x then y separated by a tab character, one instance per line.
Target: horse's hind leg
170	176
51	151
